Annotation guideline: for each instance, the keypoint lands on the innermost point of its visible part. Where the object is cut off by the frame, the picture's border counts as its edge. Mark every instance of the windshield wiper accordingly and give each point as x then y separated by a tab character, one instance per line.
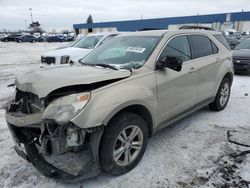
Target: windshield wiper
106	66
100	65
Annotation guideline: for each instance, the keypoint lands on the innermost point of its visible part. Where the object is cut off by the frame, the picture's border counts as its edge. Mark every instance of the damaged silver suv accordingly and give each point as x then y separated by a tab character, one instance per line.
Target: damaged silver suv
73	122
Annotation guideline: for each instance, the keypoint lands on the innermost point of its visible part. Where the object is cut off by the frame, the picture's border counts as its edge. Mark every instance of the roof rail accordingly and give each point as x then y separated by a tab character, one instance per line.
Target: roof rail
196	27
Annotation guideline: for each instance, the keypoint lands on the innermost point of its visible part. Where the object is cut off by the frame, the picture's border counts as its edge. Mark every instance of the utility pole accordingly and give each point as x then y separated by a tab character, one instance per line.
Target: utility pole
31	16
197	19
141	22
25	22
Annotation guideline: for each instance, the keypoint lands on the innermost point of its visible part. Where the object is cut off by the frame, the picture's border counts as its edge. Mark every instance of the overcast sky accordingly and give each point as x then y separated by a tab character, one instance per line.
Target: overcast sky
62	14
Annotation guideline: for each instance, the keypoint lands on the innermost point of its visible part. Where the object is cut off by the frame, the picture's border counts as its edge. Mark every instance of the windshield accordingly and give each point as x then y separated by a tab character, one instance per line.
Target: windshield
123	51
88	42
244	45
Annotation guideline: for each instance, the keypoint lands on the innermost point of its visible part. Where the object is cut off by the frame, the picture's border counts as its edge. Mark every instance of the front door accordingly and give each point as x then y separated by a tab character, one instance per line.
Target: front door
177	91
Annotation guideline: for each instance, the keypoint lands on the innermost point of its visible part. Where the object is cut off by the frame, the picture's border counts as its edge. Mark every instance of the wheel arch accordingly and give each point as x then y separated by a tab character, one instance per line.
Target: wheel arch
229	75
138	109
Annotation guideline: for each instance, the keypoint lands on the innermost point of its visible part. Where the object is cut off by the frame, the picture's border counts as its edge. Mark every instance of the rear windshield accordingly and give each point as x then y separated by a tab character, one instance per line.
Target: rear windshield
222	40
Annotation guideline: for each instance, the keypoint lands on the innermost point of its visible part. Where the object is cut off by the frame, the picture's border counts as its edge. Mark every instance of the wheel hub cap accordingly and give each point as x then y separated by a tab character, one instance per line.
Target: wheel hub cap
128	145
224	94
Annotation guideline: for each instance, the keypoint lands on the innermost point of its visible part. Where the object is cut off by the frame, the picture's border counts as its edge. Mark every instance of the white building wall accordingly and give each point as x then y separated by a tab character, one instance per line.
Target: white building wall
83	31
173	27
245	26
226	25
98	30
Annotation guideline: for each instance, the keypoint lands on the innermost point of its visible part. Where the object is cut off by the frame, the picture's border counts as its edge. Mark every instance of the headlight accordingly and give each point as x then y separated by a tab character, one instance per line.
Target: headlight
63	109
65	59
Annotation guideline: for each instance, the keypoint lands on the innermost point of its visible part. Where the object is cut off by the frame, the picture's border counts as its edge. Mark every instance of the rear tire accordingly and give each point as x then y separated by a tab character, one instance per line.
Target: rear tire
123	143
222	96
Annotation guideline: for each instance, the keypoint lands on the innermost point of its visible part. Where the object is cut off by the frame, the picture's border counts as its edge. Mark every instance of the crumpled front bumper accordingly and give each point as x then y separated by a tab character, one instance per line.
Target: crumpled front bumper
19	119
90	169
23	120
21	125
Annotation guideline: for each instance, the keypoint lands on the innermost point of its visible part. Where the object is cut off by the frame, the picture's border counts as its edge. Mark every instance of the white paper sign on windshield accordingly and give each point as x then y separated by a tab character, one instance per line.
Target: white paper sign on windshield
136	49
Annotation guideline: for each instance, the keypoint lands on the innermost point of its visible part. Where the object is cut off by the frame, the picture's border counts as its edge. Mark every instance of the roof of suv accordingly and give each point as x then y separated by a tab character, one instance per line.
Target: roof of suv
164	32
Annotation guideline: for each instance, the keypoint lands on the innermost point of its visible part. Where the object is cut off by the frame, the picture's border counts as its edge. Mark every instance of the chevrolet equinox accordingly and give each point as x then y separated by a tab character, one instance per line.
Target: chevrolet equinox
73	122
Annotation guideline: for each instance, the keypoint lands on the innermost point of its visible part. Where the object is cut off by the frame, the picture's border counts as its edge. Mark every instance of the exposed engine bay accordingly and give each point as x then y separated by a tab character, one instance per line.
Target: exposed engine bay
62	151
57	140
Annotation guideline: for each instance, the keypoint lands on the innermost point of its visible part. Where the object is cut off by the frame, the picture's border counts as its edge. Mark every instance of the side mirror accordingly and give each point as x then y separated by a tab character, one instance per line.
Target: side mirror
172	62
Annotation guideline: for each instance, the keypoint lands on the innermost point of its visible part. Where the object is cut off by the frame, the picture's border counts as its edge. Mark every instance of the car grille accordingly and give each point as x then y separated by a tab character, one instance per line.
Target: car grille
48	60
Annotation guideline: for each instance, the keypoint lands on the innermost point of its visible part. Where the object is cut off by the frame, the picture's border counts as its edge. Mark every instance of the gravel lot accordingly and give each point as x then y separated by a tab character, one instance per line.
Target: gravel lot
193	152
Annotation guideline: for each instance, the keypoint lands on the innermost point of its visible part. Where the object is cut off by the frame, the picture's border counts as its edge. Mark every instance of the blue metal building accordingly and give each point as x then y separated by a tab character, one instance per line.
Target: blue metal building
234	20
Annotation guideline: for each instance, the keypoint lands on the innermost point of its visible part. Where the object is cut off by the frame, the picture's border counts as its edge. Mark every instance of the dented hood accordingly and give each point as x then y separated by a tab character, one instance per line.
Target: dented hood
42	82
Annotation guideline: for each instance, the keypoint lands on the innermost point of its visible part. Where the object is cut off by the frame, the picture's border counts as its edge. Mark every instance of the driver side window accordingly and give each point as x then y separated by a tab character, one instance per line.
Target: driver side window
178	47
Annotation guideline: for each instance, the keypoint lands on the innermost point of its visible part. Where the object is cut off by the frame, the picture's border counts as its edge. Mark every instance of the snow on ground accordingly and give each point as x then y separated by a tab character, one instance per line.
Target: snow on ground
193	152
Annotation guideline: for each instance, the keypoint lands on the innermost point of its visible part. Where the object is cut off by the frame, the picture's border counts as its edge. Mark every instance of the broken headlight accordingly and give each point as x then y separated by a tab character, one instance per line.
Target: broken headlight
63	109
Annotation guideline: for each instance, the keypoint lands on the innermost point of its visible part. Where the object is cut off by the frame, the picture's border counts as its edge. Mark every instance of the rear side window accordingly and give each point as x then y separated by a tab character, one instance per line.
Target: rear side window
215	48
201	46
178	47
222	40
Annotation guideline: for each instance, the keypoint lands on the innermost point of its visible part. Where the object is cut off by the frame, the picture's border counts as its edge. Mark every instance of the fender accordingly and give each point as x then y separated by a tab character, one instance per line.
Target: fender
106	102
226	67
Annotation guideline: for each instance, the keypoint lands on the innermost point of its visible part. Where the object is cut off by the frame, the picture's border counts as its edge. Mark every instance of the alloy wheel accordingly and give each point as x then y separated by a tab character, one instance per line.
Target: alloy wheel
224	94
128	145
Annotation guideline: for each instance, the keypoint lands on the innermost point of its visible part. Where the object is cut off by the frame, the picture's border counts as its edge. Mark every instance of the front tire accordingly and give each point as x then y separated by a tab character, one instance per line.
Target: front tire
123	143
222	96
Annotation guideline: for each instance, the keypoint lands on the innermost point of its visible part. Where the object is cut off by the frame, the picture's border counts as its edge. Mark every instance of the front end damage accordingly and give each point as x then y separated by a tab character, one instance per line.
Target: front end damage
62	151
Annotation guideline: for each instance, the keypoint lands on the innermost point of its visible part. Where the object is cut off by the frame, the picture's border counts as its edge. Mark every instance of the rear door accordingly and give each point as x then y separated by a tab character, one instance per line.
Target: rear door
177	91
206	58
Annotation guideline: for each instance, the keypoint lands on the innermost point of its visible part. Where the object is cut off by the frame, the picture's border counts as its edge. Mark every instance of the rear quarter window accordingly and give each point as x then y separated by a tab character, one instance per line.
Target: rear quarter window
222	40
215	48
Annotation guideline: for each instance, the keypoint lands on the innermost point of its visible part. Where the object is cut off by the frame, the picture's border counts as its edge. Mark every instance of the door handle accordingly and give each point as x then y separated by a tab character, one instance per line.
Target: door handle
192	70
